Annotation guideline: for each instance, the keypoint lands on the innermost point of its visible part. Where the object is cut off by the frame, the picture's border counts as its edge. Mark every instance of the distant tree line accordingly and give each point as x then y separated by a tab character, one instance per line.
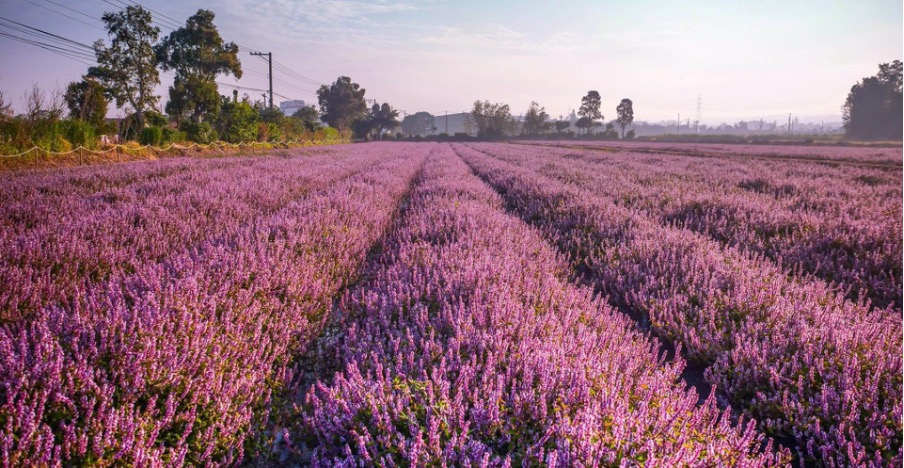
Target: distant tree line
873	109
344	107
128	71
492	121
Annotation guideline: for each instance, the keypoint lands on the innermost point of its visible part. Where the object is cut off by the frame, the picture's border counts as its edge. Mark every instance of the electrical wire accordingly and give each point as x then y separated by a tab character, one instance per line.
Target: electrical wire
41	33
48	47
64	14
74	10
83	53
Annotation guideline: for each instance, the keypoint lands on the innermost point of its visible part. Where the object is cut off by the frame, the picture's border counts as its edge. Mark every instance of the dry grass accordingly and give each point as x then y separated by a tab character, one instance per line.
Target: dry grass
134	152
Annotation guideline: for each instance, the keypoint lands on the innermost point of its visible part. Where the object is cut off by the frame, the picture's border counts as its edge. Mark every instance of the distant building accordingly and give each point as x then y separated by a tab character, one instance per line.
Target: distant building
291	107
456	123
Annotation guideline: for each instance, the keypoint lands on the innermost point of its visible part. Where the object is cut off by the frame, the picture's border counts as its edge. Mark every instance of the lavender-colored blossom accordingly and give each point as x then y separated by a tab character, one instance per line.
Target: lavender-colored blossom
467	346
215	273
788	350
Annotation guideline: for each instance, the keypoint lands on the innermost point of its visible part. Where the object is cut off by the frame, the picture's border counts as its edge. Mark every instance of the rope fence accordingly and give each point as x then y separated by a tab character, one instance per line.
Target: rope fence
217	145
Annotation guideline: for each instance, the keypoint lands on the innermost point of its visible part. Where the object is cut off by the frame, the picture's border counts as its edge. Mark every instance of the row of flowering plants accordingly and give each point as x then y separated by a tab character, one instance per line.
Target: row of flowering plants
64	231
876	155
174	355
466	345
789	351
841	224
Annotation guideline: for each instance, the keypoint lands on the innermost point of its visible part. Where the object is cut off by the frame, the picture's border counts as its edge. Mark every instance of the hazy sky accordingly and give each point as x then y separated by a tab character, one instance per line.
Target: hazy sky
745	59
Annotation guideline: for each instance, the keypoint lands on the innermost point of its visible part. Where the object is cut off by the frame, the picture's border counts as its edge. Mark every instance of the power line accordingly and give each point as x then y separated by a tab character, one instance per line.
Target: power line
240	87
64	14
296	87
270	63
48	47
286	97
168	19
173	24
74	10
297	75
39	32
160	23
80	52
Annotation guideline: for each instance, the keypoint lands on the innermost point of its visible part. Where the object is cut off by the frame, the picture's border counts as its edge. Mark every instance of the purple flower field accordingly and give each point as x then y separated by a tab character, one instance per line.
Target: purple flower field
424	304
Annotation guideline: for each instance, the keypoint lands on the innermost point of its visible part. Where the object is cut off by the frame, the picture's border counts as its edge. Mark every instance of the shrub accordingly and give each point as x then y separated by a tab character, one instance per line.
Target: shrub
268	131
171	135
238	122
198	132
53	142
327	134
80	133
151	136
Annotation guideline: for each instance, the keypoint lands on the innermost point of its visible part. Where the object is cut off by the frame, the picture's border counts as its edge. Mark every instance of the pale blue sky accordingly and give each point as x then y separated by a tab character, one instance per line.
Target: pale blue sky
745	59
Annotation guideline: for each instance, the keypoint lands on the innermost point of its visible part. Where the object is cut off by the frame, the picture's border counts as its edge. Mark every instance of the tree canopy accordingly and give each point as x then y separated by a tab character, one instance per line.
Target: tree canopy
198	54
86	101
562	125
128	66
873	109
419	123
535	120
383	117
493	120
625	112
238	120
309	117
590	109
342	103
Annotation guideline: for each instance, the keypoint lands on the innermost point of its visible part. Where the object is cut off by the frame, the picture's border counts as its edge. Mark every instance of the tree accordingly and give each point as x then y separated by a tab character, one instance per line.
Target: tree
493	120
590	109
86	101
128	67
309	117
625	112
238	120
6	108
535	120
41	106
562	125
585	123
383	117
198	54
890	74
342	103
873	109
418	123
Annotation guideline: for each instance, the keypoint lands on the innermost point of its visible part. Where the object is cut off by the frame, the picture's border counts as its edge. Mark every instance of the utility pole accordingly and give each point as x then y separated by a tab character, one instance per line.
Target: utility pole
270	74
789	123
678	124
699	111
